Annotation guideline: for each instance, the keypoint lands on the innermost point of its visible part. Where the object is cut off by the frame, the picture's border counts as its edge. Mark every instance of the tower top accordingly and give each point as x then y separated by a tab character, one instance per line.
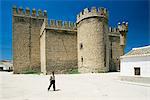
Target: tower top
27	12
93	12
123	27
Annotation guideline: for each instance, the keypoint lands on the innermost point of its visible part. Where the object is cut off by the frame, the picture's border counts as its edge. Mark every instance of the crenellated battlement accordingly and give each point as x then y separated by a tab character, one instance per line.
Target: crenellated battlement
113	30
51	45
28	12
93	12
59	24
123	27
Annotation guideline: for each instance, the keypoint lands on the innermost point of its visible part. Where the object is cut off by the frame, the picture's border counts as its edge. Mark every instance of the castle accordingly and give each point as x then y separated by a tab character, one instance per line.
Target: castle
88	45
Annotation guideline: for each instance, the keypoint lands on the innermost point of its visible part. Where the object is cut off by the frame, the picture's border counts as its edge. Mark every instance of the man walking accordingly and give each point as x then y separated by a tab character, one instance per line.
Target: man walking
52	81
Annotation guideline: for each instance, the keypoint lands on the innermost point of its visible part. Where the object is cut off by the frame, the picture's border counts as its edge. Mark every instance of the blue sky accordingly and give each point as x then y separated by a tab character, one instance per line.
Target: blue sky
136	12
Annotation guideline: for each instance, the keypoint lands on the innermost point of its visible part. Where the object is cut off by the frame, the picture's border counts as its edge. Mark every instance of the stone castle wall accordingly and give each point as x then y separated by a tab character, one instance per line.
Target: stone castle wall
61	51
35	43
21	50
116	44
26	40
60	46
114	53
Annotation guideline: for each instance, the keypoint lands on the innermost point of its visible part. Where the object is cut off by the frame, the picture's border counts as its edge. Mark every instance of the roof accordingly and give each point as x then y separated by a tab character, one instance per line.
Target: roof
141	51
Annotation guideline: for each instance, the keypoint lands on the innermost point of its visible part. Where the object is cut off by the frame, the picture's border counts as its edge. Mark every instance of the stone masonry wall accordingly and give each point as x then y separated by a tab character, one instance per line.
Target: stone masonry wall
35	43
117	38
21	50
26	43
56	47
91	55
107	46
26	39
114	53
61	51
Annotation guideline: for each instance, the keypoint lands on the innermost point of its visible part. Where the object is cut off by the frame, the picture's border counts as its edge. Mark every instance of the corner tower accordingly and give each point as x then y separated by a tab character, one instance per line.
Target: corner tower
26	38
123	29
92	40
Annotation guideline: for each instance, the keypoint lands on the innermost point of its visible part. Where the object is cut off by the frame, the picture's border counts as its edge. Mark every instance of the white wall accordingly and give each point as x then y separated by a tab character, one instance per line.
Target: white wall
128	64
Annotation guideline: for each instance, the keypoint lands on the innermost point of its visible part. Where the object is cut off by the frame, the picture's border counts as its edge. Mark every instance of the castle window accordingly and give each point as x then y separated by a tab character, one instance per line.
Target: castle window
137	71
105	55
81	59
81	46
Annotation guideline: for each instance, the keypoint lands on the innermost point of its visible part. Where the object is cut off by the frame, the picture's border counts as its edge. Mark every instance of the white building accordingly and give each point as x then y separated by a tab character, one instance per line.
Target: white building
6	65
136	62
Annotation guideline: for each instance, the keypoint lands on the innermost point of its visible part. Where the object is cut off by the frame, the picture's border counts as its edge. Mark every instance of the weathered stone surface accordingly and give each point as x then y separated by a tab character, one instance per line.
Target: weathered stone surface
60	51
39	44
21	59
115	53
91	34
26	43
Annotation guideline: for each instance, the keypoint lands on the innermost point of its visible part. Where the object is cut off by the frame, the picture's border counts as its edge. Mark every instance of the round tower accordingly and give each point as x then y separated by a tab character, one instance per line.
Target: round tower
123	29
92	40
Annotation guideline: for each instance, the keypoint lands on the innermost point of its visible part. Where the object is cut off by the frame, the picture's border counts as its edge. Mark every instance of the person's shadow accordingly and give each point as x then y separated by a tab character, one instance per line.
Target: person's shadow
56	90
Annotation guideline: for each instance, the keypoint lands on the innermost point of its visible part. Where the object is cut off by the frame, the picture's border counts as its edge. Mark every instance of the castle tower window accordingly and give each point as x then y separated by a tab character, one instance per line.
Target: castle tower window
81	59
81	46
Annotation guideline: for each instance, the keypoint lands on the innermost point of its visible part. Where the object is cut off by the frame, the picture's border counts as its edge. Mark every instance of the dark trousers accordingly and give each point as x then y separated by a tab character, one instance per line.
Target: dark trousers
52	83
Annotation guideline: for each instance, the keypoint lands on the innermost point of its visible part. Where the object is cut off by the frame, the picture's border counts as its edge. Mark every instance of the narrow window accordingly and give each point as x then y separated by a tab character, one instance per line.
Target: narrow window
111	47
137	71
81	45
105	56
81	59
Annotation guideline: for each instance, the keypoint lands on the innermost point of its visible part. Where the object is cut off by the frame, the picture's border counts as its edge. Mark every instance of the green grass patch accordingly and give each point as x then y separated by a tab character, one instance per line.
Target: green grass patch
73	71
102	71
30	71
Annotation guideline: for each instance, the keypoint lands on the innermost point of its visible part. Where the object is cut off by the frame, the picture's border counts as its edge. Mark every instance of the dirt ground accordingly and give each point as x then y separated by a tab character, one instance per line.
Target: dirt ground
101	86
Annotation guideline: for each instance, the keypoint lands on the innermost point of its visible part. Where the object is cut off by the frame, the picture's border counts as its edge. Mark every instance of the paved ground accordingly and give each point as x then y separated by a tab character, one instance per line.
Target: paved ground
104	86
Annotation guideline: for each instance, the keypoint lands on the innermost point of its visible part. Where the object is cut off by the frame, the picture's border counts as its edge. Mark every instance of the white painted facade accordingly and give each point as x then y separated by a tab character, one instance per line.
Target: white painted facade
130	62
6	65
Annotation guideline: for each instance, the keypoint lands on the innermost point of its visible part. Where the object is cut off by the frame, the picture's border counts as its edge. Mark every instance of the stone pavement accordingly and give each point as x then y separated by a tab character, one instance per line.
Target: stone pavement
102	86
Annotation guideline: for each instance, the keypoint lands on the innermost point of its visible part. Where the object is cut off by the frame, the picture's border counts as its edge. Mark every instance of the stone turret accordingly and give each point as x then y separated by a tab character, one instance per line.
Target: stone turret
92	29
123	29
